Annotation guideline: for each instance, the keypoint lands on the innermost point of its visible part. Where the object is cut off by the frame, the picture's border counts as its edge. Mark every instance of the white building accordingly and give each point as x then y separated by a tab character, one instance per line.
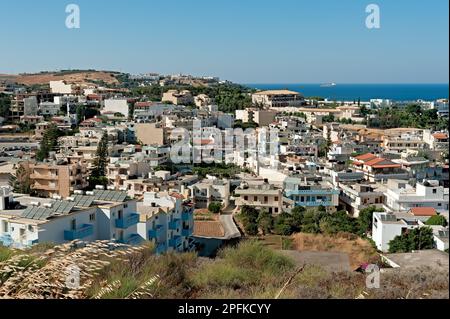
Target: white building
400	196
116	106
167	220
60	87
385	227
98	215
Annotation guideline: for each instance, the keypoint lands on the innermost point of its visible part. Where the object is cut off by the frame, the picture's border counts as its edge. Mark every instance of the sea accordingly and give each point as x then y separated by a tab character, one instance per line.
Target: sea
365	92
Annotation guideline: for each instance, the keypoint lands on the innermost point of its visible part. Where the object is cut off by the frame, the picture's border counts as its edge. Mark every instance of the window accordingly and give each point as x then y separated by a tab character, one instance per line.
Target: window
266	199
434	190
276	198
73	224
125	205
5	227
92	217
245	197
276	210
255	198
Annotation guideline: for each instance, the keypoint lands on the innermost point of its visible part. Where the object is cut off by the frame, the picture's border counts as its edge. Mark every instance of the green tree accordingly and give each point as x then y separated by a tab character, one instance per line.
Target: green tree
365	219
265	222
311	221
20	181
284	224
414	239
337	222
98	174
49	142
214	207
437	220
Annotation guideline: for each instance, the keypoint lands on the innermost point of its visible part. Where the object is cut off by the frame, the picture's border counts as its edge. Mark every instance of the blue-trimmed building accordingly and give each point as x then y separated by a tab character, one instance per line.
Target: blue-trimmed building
97	215
167	220
311	194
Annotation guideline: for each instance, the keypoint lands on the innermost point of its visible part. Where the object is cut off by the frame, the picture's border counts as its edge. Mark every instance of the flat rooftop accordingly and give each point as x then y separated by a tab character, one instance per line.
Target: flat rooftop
431	257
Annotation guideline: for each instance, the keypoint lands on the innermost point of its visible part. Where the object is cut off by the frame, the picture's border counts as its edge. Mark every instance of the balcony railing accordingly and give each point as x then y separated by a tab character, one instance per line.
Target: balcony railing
125	222
186	232
82	232
155	233
174	224
175	241
315	204
313	192
134	239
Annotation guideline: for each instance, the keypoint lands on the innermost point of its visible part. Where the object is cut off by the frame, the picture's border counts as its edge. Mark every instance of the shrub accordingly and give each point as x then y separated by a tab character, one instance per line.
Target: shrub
437	220
215	207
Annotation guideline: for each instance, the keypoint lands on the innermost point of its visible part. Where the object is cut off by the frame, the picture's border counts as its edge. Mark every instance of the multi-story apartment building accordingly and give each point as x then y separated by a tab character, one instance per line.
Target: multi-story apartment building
378	168
167	220
261	196
61	179
400	196
355	197
119	171
398	140
22	104
210	190
262	117
311	194
436	140
97	215
278	98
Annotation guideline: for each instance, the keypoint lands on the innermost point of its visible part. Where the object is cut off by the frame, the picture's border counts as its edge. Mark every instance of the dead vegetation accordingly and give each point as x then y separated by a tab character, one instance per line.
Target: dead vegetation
250	270
359	250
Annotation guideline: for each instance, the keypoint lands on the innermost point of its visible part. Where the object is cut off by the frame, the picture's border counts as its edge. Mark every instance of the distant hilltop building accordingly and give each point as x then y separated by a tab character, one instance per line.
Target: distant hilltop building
178	97
278	98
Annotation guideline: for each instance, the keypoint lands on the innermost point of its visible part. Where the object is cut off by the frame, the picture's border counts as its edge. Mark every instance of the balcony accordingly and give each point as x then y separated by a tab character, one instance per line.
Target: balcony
82	232
174	224
175	241
313	192
186	232
131	240
43	177
315	204
155	233
186	216
125	222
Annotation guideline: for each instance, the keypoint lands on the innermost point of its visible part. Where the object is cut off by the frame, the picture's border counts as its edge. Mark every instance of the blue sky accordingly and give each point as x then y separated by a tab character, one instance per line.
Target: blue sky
246	41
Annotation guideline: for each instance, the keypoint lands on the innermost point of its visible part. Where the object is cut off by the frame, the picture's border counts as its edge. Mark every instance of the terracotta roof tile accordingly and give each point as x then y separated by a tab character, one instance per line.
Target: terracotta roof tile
423	211
208	229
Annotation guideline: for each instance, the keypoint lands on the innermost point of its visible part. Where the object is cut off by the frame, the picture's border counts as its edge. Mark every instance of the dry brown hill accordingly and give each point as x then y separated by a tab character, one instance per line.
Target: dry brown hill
76	77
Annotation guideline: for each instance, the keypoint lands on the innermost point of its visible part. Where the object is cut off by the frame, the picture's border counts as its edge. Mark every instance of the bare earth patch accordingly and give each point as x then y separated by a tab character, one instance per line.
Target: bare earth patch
359	250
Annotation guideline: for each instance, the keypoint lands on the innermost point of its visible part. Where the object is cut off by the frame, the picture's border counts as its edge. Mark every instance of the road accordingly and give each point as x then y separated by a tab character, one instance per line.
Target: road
230	228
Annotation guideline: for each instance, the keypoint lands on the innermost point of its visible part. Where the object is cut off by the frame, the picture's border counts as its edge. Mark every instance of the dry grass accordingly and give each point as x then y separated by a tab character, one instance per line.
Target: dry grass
82	77
250	270
359	250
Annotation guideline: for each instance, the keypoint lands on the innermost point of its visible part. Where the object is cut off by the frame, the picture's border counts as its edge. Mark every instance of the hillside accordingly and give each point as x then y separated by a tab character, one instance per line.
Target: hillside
78	77
251	270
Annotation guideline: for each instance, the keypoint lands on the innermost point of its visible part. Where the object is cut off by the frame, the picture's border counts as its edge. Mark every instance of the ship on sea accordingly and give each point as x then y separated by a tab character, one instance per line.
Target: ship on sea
327	85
